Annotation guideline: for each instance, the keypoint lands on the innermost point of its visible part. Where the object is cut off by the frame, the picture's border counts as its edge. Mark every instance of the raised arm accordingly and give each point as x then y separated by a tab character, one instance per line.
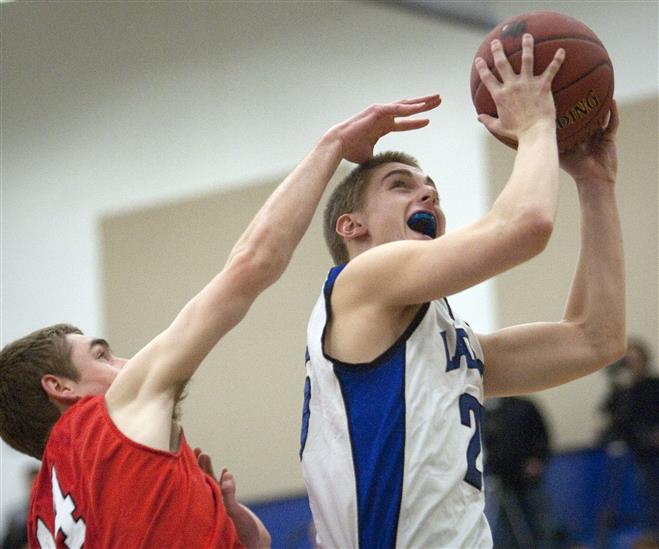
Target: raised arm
149	383
591	334
516	228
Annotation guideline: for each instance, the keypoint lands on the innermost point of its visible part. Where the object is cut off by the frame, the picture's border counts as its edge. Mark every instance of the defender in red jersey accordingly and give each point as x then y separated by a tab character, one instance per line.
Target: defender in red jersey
117	471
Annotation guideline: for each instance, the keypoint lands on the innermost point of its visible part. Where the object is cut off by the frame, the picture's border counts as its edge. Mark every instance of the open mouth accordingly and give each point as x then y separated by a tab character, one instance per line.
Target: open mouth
424	223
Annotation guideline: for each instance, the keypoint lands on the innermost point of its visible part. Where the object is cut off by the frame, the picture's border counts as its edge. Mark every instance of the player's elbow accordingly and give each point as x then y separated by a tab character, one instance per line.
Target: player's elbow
606	344
614	349
256	267
534	228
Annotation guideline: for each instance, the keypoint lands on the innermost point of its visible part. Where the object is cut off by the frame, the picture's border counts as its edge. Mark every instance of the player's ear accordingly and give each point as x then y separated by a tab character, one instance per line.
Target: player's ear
60	390
349	226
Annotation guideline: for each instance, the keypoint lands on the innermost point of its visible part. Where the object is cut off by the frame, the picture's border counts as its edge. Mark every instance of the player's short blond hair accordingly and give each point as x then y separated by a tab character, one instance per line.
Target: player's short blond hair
348	197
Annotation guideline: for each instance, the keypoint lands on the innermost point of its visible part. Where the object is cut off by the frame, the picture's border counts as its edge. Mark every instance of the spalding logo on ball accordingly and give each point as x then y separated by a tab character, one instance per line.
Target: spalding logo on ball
583	87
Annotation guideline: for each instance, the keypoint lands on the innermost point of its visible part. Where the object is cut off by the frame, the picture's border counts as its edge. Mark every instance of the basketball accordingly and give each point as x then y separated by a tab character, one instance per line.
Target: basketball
583	87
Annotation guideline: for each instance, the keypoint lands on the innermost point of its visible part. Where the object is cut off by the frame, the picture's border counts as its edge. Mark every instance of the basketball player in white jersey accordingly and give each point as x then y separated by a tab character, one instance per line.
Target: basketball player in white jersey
395	383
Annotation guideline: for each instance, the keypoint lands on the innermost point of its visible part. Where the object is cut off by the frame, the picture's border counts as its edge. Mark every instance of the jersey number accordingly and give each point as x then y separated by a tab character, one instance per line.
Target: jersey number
469	405
73	530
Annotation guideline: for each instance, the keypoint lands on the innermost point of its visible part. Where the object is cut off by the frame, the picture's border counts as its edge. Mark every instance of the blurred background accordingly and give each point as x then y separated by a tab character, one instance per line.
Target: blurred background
139	138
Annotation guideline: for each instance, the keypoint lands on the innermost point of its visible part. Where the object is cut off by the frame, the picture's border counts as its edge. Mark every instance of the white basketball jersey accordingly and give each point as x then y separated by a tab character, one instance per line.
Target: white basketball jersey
391	450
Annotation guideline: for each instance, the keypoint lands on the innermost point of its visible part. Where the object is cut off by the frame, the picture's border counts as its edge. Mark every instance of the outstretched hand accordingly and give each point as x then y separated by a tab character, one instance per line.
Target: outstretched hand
251	531
226	480
595	159
359	134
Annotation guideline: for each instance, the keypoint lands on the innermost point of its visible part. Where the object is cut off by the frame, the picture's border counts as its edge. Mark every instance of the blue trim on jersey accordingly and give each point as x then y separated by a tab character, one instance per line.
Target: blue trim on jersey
374	400
331	278
327	292
306	414
450	311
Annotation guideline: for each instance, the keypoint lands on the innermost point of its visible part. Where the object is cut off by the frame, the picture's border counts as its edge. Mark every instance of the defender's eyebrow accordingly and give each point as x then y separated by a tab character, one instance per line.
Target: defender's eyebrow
403	171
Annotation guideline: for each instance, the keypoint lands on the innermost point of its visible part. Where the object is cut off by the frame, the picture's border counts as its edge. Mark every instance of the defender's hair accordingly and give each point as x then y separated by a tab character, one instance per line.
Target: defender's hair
26	413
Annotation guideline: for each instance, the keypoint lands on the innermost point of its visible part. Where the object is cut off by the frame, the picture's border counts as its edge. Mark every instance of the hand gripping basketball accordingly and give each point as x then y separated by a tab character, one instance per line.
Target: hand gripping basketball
522	99
582	89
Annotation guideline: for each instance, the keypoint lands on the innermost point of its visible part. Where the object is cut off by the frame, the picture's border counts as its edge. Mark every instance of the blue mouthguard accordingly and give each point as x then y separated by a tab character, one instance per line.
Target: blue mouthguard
423	222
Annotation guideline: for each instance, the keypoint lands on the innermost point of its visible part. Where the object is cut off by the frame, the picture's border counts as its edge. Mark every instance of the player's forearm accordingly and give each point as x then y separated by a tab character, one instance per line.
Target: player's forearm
530	197
596	302
280	224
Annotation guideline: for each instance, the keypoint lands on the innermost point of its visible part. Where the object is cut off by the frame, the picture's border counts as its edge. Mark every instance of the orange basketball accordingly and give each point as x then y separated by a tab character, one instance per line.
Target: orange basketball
583	87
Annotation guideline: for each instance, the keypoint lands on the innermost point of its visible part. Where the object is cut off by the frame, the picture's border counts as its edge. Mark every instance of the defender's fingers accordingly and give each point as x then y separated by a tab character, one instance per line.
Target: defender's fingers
206	464
409	124
486	76
500	60
407	109
527	55
555	65
433	99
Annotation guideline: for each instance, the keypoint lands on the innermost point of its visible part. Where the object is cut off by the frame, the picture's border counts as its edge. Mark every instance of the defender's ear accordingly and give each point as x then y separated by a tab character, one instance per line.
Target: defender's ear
349	227
60	390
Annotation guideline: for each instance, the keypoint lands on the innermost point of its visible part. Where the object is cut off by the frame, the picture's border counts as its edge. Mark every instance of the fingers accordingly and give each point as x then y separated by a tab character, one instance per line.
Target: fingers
407	107
501	61
554	66
204	461
490	122
488	79
614	119
409	124
433	100
400	110
527	55
227	484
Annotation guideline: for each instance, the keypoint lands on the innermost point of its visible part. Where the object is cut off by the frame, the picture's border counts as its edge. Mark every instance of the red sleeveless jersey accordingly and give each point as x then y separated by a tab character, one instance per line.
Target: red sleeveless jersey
97	488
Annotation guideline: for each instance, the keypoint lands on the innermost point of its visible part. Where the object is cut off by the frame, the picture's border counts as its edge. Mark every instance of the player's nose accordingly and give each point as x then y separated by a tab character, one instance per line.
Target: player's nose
428	195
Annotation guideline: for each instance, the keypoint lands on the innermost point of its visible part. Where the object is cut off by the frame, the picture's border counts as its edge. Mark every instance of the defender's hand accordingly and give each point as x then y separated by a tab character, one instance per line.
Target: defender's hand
226	480
359	134
596	159
523	100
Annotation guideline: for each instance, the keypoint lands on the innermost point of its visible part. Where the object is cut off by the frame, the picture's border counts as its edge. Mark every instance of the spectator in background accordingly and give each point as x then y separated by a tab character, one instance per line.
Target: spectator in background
15	536
516	450
633	410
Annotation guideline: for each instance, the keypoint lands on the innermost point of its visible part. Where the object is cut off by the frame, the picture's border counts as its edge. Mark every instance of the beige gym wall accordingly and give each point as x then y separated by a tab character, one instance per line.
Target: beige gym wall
538	289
